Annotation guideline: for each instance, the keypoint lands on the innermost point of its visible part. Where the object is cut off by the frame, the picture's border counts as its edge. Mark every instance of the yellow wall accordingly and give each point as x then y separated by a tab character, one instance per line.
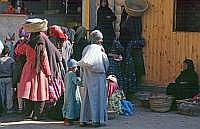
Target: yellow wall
165	50
86	13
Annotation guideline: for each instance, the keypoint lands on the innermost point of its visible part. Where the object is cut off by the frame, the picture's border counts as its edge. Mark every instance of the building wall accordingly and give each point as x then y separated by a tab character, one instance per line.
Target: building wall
36	7
165	50
10	24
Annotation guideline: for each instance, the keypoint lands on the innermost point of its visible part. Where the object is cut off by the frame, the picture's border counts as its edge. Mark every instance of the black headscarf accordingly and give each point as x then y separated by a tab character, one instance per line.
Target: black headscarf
189	74
106	4
190	64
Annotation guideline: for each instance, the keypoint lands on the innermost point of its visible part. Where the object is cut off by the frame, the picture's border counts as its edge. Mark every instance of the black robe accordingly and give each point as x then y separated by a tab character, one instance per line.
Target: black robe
131	38
185	86
105	25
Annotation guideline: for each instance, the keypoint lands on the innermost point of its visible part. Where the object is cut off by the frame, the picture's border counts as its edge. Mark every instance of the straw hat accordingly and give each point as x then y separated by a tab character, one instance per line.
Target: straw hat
35	25
135	7
112	78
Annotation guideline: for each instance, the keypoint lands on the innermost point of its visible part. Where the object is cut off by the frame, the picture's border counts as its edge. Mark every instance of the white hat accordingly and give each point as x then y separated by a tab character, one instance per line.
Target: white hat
95	36
112	78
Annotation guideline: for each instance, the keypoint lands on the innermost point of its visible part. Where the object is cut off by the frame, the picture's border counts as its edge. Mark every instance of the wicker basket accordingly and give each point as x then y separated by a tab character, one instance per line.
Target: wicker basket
135	7
160	103
112	115
188	107
143	98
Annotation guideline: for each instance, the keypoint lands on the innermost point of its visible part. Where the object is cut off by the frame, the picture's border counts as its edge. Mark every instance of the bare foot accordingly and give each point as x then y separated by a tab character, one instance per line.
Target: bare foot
66	122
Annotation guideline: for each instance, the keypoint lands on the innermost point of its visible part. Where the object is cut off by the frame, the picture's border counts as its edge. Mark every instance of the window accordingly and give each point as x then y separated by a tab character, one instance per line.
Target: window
45	6
74	7
187	15
52	10
35	7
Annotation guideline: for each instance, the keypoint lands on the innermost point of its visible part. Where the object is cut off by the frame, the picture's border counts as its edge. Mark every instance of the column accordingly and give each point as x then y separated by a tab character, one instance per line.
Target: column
86	13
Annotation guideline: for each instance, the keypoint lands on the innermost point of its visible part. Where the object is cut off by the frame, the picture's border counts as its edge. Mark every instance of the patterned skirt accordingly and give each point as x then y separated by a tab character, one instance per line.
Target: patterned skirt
115	69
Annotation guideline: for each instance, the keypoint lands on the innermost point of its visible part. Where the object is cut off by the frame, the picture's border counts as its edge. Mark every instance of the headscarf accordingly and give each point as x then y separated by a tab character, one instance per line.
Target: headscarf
80	34
95	36
55	31
72	63
190	64
107	6
22	33
69	32
112	78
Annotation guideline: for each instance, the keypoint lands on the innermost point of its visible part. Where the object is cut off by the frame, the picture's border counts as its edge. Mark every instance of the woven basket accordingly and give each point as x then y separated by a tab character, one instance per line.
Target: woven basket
188	107
143	98
160	103
112	115
135	7
36	26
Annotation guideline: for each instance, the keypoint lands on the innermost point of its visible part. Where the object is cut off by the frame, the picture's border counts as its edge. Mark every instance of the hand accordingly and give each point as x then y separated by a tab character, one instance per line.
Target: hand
183	82
49	79
14	89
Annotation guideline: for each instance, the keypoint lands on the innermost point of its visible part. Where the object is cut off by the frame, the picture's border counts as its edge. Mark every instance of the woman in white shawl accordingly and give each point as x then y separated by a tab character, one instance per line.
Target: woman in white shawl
94	64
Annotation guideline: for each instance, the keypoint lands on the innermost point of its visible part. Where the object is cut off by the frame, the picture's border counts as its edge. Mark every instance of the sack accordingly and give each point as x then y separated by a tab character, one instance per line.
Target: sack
128	108
56	90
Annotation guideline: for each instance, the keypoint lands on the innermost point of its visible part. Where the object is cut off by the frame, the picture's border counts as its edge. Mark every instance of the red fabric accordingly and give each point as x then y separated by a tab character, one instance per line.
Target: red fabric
10	10
55	31
18	44
111	88
56	89
33	86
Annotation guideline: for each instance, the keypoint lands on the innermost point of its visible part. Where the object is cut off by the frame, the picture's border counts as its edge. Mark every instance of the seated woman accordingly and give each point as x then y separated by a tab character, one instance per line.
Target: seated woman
186	84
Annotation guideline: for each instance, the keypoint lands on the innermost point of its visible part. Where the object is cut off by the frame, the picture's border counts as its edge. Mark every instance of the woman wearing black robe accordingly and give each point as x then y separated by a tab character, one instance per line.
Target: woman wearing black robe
186	84
105	18
133	62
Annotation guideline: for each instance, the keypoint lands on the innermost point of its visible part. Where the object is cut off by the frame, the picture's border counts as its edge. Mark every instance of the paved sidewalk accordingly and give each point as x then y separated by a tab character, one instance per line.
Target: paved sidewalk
143	119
